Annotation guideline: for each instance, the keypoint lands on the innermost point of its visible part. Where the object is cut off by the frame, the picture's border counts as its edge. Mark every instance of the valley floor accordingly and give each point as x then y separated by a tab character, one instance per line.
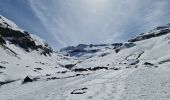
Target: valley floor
128	84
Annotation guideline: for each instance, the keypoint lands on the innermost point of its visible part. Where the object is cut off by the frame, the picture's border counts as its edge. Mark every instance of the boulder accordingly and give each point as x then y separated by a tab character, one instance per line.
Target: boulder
27	79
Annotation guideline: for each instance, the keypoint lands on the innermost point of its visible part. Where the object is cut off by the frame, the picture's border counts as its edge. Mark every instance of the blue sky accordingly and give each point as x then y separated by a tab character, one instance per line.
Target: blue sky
71	22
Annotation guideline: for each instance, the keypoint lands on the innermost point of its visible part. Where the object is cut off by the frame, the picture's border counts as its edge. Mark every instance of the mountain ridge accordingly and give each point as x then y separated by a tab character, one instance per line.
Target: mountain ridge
30	69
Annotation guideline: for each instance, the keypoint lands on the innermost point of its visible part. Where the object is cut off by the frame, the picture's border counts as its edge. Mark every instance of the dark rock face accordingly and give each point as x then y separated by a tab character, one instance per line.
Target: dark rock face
22	39
80	70
125	45
2	67
98	68
159	31
84	49
80	52
2	41
79	91
148	64
38	68
69	66
6	32
90	69
27	79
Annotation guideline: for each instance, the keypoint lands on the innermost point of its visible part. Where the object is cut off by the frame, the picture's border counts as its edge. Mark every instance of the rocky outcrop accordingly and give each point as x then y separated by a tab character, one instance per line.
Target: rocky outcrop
159	31
27	79
22	39
2	41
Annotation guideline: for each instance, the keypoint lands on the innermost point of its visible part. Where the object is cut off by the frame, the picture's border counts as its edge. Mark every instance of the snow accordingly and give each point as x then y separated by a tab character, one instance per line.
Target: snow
38	40
136	84
8	23
137	72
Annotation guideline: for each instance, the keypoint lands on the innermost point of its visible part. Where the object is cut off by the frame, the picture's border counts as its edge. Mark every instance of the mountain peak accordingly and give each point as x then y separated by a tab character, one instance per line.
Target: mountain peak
10	32
159	31
6	23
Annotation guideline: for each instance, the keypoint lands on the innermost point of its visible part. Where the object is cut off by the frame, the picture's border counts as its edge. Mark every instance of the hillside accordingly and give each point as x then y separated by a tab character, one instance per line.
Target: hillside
134	70
24	54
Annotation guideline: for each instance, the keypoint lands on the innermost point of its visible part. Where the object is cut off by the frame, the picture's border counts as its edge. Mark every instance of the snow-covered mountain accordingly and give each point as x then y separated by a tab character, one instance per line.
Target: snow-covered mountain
150	47
23	54
134	70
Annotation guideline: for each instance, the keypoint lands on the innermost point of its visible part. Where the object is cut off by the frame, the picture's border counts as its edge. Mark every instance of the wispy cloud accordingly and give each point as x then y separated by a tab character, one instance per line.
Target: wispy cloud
99	21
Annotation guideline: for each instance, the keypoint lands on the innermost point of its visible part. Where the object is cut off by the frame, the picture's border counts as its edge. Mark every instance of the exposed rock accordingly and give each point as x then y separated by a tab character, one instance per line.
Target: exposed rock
98	68
27	79
38	68
79	91
80	70
2	67
2	41
69	66
148	64
159	31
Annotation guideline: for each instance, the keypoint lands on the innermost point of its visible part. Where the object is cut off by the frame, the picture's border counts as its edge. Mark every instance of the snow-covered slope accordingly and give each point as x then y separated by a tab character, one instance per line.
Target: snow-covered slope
23	54
152	47
134	70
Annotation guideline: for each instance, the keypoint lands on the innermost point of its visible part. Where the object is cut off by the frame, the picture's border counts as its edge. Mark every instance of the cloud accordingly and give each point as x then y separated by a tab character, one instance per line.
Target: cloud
99	21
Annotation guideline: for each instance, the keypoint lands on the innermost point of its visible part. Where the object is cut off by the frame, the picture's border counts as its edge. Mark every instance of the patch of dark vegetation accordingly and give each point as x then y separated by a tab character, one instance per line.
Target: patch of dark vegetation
2	67
164	61
79	91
